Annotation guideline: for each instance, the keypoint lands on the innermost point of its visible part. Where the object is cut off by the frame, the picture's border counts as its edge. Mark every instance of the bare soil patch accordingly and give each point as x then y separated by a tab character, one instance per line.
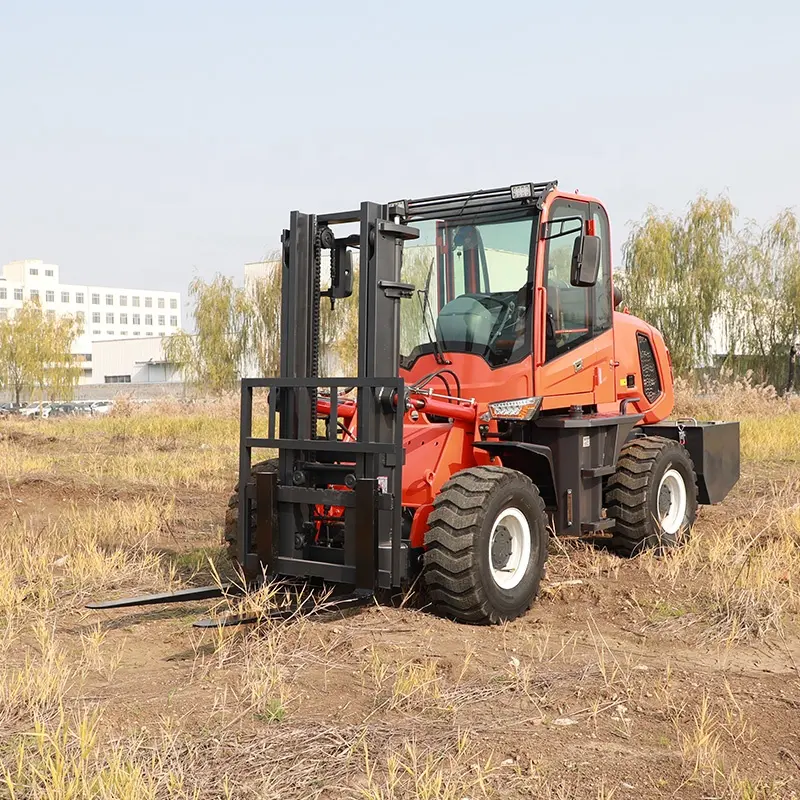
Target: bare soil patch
612	686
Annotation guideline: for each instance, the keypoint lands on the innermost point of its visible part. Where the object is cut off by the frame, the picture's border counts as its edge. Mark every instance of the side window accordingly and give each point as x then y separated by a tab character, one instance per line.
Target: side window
570	317
603	302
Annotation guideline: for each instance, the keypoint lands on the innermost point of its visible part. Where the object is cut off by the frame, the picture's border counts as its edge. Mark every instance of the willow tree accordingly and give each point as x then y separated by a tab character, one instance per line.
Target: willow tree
214	357
763	312
675	275
36	353
265	327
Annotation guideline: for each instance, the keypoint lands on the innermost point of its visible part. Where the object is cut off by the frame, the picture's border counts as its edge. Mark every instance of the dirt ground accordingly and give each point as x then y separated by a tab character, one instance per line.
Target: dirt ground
622	681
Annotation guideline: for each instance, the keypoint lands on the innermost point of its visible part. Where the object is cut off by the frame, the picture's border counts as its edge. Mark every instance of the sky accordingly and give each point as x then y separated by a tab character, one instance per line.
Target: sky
144	144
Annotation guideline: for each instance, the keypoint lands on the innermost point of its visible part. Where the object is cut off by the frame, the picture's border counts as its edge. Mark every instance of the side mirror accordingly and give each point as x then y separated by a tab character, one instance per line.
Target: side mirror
585	261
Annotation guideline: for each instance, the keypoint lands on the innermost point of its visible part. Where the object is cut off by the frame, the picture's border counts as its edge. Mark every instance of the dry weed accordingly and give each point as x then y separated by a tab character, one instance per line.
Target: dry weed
62	561
35	688
748	572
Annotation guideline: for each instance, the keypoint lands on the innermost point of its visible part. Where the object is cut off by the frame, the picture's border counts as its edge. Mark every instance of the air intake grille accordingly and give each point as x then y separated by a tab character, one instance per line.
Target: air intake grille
651	382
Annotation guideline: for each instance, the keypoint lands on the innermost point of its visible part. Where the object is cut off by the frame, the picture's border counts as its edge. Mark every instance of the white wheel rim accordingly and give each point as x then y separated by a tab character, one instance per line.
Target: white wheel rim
511	535
671	501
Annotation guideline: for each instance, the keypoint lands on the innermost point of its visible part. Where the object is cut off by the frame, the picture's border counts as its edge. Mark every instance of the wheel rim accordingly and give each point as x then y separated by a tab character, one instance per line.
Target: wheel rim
509	548
671	501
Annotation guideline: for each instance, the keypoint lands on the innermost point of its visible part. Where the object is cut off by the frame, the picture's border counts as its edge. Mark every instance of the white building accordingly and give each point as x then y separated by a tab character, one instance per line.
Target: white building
132	361
104	312
253	270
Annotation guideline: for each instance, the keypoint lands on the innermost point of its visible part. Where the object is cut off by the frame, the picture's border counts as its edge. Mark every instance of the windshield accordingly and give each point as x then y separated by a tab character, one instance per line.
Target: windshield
472	290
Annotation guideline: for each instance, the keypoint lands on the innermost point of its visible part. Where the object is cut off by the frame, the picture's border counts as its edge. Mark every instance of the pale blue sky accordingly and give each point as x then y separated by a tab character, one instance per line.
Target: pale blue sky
143	143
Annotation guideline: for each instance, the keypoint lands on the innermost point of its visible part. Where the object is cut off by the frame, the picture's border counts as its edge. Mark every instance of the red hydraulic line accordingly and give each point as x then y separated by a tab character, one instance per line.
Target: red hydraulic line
441	408
346	408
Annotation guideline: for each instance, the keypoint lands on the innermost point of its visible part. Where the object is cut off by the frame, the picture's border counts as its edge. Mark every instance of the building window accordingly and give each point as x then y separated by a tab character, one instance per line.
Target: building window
161	333
109	333
123	299
137	333
34	270
160	319
48	273
96	333
34	294
123	319
65	297
148	302
123	333
173	303
109	299
109	319
148	319
95	299
79	316
135	301
3	293
50	296
118	379
137	319
18	294
96	317
51	315
161	302
79	297
173	321
149	333
3	313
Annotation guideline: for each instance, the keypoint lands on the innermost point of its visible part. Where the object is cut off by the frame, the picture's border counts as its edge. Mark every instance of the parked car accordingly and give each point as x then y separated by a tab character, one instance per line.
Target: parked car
63	409
102	407
37	409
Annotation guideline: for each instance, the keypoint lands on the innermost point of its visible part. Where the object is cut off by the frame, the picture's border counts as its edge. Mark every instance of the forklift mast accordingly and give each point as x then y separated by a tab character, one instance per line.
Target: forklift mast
367	465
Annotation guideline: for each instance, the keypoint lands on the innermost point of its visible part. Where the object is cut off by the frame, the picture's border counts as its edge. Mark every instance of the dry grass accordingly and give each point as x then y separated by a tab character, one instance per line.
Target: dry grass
60	562
580	699
747	571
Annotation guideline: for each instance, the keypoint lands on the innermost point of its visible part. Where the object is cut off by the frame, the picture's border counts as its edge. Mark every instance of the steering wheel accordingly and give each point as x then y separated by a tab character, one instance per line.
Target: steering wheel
507	312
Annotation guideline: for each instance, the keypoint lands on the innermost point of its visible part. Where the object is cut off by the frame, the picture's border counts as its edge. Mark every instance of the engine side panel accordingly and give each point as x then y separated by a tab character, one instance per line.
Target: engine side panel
643	371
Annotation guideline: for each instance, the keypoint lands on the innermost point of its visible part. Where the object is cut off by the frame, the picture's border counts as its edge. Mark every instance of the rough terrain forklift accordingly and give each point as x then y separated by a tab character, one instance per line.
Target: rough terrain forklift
499	398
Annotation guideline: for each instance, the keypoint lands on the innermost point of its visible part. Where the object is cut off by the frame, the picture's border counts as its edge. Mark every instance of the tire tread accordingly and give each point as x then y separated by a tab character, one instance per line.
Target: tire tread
451	572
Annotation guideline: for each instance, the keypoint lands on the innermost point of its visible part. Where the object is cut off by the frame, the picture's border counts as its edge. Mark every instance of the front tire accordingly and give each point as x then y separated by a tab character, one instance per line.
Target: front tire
652	496
232	514
486	546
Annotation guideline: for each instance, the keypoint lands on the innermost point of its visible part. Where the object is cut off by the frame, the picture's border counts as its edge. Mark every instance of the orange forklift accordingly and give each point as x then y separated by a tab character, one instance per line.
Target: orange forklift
499	398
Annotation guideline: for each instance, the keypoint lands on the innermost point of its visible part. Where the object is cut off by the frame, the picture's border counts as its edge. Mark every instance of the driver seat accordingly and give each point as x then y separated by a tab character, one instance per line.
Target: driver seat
464	322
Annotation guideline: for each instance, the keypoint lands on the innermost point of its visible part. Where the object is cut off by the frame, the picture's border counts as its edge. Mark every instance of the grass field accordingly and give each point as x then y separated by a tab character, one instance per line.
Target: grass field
674	677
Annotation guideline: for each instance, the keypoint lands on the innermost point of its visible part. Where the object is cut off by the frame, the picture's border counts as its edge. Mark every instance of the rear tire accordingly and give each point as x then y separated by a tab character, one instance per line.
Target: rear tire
652	496
486	546
232	513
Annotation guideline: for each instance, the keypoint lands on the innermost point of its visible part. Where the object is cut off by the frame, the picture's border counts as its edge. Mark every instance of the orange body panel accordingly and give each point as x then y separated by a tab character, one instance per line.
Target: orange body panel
626	326
592	374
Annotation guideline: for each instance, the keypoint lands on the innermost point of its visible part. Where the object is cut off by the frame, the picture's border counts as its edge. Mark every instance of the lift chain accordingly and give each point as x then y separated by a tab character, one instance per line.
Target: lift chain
315	326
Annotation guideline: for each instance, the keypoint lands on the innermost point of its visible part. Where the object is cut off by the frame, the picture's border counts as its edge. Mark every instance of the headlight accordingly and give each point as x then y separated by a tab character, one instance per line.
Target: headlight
526	408
521	191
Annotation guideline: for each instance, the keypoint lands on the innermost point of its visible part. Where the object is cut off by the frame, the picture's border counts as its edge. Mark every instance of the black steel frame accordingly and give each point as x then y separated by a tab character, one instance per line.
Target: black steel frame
372	509
486	203
373	555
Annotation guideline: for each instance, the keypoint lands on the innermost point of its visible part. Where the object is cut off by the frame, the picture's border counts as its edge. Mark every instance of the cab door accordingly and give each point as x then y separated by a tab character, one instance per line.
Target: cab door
574	365
603	358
